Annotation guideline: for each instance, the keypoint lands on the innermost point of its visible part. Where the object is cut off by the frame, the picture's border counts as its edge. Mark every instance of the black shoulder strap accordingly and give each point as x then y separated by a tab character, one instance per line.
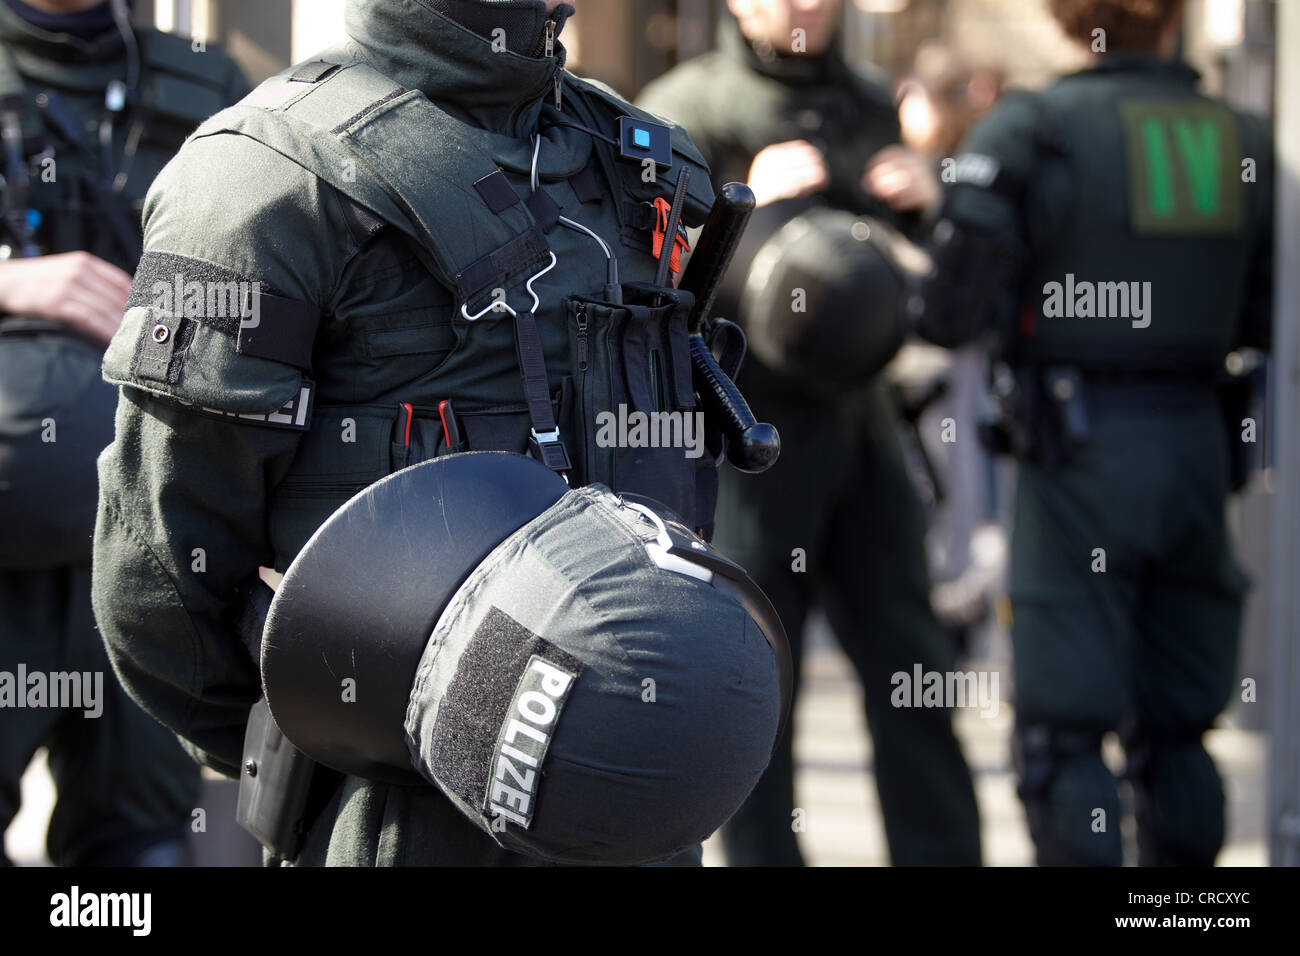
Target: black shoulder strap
371	140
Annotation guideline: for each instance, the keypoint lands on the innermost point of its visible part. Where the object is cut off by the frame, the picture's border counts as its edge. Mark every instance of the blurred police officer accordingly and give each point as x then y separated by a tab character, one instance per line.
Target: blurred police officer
777	106
1127	220
92	109
444	241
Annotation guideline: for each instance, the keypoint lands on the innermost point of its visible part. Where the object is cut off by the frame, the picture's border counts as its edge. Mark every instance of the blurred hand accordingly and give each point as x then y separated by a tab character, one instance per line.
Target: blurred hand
76	288
788	171
904	178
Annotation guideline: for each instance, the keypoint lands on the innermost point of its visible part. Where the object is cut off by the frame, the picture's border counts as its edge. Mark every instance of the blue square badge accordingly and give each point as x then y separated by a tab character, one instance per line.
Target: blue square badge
640	140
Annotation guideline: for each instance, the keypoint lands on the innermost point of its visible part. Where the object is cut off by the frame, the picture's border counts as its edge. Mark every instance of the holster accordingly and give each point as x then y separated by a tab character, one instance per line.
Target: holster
274	787
1238	397
1035	413
281	789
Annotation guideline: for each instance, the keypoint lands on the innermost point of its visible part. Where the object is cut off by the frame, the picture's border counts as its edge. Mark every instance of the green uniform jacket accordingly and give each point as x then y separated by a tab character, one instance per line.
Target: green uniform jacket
1121	173
77	195
179	88
196	498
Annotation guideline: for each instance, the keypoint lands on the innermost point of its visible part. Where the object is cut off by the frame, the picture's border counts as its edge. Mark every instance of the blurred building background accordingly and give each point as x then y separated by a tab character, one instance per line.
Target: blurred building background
626	43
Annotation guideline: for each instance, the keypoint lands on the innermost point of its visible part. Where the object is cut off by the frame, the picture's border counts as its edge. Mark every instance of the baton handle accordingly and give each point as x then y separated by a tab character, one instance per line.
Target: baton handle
752	446
715	248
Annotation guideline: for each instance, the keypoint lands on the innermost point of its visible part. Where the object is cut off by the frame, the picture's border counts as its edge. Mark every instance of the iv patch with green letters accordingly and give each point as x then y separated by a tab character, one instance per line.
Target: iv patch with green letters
1184	168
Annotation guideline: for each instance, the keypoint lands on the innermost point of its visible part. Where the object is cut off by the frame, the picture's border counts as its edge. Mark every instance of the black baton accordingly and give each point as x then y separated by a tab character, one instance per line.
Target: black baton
715	248
752	446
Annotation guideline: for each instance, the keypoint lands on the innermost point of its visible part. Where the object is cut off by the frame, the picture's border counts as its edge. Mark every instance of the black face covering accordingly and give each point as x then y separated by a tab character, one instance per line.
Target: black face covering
524	21
85	25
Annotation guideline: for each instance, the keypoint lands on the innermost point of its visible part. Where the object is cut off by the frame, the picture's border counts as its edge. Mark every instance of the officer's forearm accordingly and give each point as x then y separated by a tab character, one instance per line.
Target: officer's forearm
181	524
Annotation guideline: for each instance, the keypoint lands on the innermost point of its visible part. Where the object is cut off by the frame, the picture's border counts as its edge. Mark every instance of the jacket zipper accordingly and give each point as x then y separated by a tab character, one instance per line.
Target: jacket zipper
656	385
550	52
333	489
581	313
546	47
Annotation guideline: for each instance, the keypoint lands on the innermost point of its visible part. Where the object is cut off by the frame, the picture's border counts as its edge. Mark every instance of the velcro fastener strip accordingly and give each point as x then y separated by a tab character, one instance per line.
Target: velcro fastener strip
279	329
494	269
363	224
313	72
268	325
476	707
544	209
640	215
497	191
586	185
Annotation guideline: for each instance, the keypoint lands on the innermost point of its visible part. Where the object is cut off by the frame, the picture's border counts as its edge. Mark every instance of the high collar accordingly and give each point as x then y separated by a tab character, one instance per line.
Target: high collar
434	46
83	24
792	69
59	58
1141	61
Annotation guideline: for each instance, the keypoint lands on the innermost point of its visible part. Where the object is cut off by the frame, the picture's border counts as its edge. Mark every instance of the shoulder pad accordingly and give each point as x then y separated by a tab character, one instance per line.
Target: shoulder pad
699	194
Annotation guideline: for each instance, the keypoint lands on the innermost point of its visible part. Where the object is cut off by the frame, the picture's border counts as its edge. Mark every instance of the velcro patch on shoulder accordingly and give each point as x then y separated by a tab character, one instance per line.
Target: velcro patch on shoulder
497	191
497	721
313	72
206	337
267	325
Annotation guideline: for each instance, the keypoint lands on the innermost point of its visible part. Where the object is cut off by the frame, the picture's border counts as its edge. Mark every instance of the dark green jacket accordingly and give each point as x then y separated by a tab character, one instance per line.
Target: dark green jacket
1122	173
734	102
75	178
195	498
179	88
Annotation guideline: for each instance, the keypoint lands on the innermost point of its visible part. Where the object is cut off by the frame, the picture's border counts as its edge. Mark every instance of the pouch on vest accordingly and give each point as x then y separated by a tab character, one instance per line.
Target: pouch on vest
634	403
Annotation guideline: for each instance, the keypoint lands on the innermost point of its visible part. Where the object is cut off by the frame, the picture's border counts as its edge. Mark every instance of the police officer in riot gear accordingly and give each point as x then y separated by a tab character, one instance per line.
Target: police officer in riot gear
440	241
91	110
836	522
1114	234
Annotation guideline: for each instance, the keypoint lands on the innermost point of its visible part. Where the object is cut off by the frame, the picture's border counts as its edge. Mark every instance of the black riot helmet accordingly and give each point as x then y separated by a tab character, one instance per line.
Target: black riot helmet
819	293
583	677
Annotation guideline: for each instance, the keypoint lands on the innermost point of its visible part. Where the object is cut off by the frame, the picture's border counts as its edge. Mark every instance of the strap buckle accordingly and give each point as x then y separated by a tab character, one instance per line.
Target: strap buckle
548	448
